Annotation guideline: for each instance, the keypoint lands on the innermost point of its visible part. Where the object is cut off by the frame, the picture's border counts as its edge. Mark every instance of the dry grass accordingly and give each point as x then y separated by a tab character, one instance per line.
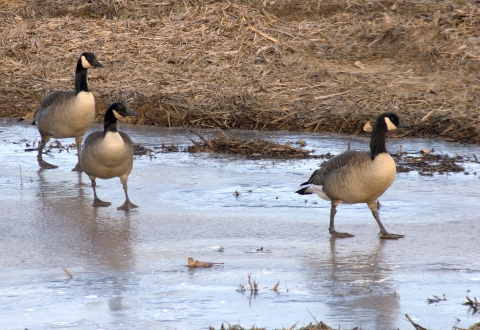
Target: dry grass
289	64
256	149
476	326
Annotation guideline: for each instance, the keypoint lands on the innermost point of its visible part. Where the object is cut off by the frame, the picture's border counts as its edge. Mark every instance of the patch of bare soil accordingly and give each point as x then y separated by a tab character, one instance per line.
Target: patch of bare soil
302	65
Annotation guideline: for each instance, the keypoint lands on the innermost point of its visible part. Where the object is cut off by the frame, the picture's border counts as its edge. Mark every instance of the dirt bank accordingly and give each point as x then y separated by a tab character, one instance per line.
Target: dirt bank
288	64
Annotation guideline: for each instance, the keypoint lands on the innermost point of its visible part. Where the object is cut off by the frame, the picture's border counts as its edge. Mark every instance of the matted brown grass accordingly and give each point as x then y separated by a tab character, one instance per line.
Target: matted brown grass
275	65
256	149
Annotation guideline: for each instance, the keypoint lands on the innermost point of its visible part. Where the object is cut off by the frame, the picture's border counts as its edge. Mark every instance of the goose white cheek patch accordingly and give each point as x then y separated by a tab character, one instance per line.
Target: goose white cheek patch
390	126
117	115
85	63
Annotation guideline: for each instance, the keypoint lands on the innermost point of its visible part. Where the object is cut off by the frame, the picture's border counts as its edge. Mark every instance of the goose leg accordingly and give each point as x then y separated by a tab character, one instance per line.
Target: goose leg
383	232
78	141
96	200
127	205
43	164
331	229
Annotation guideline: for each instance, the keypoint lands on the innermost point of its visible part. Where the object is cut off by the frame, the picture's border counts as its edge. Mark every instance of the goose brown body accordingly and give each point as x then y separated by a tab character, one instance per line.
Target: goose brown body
353	177
109	153
357	177
67	114
64	114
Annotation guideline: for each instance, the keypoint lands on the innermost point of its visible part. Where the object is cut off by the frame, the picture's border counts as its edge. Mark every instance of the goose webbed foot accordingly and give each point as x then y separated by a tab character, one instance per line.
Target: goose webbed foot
43	164
336	234
127	206
99	202
383	232
387	235
331	229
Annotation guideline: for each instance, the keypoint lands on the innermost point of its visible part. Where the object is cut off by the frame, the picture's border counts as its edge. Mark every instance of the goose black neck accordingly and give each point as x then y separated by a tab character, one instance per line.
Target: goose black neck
81	84
377	142
110	122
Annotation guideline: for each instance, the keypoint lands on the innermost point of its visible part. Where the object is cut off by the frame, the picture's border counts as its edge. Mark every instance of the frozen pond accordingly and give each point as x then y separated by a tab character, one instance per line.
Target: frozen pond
130	268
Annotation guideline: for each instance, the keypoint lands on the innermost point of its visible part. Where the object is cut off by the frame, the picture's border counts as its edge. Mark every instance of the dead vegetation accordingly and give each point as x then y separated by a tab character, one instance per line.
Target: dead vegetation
430	163
317	326
192	263
415	325
312	326
436	299
253	286
256	149
473	307
67	272
476	326
302	65
139	150
473	304
235	327
425	162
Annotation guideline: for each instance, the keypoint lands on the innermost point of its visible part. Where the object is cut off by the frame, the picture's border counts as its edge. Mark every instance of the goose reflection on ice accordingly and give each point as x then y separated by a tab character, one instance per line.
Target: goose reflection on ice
356	278
94	244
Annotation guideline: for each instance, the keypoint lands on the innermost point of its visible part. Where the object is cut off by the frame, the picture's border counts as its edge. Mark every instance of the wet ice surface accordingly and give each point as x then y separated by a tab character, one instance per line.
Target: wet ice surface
129	268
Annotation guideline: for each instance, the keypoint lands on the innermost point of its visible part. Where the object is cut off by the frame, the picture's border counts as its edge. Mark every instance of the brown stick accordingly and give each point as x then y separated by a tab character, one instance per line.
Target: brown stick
417	326
330	95
254	287
250	283
67	272
263	34
275	288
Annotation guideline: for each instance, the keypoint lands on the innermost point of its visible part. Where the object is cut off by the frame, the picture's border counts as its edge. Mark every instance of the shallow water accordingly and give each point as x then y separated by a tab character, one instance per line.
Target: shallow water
129	268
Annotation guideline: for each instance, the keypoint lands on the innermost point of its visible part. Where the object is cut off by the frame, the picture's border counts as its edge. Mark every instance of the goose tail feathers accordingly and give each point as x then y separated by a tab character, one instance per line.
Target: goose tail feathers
304	191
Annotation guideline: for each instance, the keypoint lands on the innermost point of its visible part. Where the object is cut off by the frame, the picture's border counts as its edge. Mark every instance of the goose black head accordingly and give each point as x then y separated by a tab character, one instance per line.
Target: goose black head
120	110
88	60
391	120
387	121
115	111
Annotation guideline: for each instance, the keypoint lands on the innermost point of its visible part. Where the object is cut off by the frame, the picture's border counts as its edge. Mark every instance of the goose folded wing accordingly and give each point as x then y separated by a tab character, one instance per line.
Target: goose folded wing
336	164
54	97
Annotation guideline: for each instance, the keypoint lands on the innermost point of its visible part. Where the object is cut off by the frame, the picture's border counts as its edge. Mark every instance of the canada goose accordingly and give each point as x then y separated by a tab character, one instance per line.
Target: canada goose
65	114
109	153
358	177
